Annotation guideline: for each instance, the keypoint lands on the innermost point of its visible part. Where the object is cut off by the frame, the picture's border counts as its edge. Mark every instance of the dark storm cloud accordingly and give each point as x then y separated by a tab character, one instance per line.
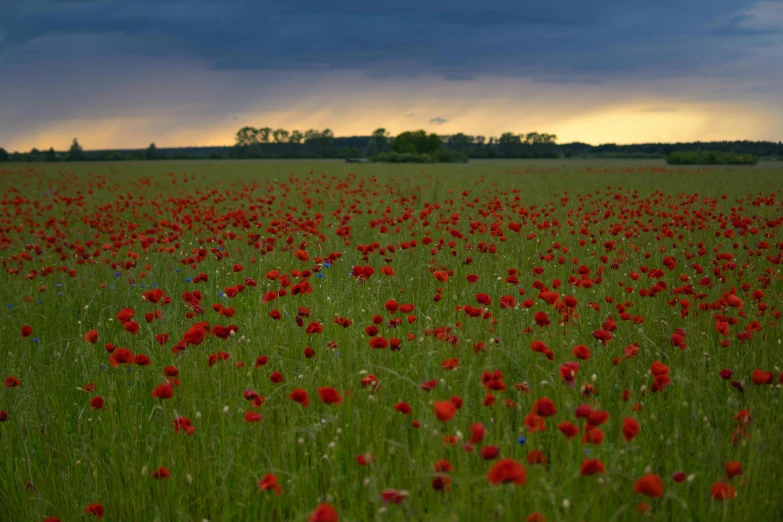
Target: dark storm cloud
459	39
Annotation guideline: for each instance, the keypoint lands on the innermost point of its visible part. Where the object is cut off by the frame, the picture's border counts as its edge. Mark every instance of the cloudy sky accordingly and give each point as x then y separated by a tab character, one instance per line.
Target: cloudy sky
123	73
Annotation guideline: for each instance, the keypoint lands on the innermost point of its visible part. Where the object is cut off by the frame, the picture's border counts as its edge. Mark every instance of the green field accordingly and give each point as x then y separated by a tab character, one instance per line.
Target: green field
81	242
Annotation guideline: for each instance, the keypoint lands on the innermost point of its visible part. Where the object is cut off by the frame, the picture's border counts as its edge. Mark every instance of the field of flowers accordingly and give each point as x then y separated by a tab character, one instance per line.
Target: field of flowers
319	341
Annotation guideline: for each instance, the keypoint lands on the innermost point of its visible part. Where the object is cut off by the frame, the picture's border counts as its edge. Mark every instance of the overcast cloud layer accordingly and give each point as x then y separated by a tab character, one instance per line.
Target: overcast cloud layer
125	72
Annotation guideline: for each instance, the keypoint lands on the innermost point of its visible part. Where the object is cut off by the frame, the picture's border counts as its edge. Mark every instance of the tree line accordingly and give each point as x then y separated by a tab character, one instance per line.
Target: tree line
710	158
265	142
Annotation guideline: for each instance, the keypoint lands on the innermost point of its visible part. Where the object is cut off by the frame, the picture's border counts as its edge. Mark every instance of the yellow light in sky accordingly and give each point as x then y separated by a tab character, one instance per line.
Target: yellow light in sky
350	105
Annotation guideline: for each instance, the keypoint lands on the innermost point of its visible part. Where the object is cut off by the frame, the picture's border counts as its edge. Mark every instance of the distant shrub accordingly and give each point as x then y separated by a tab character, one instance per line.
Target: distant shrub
440	156
450	156
405	157
710	158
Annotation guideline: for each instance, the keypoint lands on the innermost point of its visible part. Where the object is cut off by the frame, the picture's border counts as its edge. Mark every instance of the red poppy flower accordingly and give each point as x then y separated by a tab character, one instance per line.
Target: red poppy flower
581	352
131	327
183	423
733	469
161	473
483	299
95	510
96	403
597	417
604	336
721	491
449	364
379	343
12	382
592	467
120	356
195	334
489	452
568	429
445	410
364	459
324	513
477	432
393	496
536	457
276	377
649	485
429	385
544	407
734	302
163	391
329	395
91	337
541	319
141	360
760	377
507	471
441	276
403	407
269	483
314	328
251	416
630	428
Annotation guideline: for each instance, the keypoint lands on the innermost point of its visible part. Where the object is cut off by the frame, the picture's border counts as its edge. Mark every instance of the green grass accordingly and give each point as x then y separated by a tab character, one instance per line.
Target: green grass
72	456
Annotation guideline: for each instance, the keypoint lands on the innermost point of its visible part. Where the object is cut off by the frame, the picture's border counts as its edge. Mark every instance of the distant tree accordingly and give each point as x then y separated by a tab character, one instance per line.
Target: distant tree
327	143
311	135
371	149
4	156
509	144
378	142
76	153
34	155
348	152
246	136
151	153
51	155
296	137
381	139
263	134
417	142
280	135
460	142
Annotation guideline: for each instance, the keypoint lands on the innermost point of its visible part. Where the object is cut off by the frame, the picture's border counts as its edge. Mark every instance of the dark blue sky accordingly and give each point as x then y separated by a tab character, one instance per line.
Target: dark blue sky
126	72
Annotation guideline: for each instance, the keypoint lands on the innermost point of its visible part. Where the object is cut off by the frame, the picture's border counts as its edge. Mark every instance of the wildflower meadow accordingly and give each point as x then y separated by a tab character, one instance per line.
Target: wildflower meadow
321	341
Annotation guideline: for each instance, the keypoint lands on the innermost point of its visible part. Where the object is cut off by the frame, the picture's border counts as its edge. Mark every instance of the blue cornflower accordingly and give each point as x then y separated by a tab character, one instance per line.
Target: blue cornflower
522	440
